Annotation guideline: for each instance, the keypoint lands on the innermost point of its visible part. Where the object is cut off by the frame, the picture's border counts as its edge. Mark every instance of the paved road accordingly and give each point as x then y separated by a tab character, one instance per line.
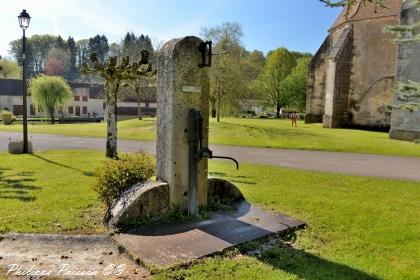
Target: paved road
358	164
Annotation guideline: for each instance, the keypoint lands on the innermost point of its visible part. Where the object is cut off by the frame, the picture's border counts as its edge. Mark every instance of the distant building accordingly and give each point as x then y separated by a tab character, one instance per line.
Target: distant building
352	75
88	101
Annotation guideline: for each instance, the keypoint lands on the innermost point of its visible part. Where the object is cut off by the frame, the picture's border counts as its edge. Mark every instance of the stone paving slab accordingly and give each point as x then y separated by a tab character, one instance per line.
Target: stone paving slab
66	257
166	245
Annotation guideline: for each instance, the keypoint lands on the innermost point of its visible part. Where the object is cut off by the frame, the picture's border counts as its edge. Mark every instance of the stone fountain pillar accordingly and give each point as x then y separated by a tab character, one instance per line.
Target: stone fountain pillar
182	85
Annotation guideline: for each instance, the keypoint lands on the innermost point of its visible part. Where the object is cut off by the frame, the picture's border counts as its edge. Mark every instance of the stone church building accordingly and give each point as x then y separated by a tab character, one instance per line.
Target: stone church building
352	76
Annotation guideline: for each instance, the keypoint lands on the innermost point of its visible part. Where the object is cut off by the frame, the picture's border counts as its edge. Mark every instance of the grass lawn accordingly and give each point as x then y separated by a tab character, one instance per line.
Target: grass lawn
49	192
252	132
359	227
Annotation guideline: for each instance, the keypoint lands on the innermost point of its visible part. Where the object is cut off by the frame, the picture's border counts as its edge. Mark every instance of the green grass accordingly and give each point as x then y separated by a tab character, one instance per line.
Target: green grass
252	132
358	227
49	192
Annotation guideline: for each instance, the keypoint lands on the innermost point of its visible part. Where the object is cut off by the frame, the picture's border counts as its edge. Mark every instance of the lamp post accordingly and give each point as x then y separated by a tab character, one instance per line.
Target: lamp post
24	20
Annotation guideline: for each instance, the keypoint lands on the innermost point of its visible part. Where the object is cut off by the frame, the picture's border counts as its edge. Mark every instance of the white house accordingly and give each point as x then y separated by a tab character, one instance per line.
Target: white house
88	101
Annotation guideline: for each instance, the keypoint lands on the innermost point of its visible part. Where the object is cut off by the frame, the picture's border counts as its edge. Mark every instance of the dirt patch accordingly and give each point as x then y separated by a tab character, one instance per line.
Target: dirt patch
65	257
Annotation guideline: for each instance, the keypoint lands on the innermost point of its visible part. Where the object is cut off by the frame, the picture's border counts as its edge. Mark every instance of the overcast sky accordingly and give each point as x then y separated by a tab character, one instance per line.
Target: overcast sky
300	25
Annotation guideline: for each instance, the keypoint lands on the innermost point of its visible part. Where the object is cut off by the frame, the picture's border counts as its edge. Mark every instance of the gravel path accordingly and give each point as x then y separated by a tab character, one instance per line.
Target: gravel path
393	167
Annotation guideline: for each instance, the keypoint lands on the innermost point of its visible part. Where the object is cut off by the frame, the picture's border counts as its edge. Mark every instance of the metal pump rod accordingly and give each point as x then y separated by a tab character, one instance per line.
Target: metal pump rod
197	152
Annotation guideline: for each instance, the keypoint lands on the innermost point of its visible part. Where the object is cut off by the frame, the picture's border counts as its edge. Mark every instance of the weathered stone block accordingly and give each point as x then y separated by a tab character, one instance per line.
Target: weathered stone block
17	147
143	200
223	191
404	135
311	118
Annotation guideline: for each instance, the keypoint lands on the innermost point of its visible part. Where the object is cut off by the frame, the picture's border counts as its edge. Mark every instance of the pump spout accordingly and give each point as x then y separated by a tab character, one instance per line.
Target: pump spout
206	152
229	158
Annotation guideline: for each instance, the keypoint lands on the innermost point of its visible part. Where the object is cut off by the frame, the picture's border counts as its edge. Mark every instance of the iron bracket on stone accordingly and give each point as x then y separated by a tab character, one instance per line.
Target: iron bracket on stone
206	54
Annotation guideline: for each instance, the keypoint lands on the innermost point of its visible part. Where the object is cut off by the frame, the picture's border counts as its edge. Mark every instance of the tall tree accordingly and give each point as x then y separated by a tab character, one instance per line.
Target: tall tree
49	93
82	47
269	83
133	46
99	45
251	65
115	74
114	50
225	76
73	73
16	51
9	69
60	43
296	83
37	48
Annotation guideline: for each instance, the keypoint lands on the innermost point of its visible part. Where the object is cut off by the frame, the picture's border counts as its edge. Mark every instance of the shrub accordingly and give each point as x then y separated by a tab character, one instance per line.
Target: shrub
263	116
117	175
7	117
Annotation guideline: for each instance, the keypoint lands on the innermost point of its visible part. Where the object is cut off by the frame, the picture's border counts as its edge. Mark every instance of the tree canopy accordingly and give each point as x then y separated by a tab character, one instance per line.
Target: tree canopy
9	69
296	84
227	81
38	48
269	83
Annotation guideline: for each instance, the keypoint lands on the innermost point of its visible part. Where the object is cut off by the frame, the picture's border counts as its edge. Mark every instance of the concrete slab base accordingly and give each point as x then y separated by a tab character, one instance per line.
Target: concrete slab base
170	244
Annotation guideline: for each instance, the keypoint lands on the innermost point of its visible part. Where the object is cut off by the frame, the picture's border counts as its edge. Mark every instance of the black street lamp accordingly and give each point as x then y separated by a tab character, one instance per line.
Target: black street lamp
24	20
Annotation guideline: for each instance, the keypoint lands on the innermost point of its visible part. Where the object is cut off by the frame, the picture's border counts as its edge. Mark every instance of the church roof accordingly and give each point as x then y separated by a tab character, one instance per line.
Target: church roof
366	10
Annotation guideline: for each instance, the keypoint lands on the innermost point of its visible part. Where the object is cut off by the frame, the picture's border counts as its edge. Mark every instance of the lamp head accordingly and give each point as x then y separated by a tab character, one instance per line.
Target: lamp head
24	20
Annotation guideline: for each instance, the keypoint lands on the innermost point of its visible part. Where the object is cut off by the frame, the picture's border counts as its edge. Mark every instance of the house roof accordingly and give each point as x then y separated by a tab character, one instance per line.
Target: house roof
366	10
10	87
13	87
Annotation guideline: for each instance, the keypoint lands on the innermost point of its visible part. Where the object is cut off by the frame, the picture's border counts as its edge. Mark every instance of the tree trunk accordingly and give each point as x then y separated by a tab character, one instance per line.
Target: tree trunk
52	115
218	110
111	139
278	108
138	102
139	108
213	108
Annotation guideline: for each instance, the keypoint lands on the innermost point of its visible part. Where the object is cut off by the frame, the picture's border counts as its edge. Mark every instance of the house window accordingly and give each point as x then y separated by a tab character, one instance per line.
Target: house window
104	105
17	110
71	110
76	98
84	110
84	98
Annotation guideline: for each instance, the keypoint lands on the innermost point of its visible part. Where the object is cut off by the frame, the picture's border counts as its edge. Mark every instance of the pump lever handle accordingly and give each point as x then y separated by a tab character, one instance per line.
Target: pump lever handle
229	158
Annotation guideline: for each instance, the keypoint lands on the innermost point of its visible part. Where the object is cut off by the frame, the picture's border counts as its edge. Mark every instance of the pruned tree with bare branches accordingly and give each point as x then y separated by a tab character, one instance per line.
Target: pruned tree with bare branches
115	74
